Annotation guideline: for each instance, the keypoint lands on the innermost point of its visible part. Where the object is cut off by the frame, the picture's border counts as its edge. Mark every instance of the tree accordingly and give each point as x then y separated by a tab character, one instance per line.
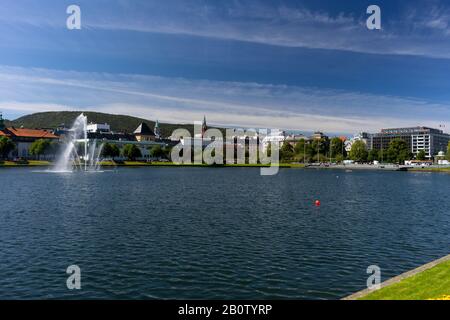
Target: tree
167	152
110	151
303	150
300	146
40	147
106	150
156	151
310	151
337	147
286	151
398	151
340	158
6	146
373	155
55	147
269	150
131	152
115	151
448	151
320	145
421	155
358	151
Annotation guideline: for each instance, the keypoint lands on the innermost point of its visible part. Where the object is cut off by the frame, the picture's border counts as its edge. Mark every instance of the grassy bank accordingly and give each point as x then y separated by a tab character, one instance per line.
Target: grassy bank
33	163
432	283
446	169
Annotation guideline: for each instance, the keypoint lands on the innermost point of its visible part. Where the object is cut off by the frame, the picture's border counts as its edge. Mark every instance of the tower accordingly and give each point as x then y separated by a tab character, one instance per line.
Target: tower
2	122
204	126
156	130
144	133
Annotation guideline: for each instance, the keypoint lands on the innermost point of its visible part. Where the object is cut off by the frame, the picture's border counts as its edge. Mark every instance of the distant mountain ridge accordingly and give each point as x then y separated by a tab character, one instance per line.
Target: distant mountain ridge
118	123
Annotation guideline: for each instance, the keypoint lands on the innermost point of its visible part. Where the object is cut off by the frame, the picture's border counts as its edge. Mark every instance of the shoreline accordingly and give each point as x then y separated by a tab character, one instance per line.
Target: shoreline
406	285
10	164
385	167
348	167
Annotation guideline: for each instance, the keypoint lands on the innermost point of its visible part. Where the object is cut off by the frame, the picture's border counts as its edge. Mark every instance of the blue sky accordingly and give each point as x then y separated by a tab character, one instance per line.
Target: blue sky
301	65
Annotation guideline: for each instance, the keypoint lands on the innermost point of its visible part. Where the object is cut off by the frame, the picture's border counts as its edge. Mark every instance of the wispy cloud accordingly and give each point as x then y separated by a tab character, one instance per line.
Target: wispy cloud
415	28
224	103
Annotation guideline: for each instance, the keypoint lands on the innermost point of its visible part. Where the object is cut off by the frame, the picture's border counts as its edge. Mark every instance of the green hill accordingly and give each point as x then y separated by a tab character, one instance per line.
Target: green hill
118	123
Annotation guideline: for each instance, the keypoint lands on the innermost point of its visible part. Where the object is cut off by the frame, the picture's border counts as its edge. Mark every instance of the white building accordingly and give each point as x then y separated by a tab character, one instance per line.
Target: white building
98	127
275	136
362	136
441	159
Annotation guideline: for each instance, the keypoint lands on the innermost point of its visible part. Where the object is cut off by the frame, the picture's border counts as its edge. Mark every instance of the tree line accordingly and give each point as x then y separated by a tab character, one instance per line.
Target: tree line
45	147
133	152
397	152
317	150
324	150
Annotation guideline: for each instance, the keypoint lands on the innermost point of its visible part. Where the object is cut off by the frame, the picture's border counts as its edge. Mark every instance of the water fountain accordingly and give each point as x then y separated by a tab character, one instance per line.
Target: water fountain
70	156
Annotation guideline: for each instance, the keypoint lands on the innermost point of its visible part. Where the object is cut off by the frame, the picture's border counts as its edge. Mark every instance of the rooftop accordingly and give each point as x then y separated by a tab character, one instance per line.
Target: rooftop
411	130
27	133
144	130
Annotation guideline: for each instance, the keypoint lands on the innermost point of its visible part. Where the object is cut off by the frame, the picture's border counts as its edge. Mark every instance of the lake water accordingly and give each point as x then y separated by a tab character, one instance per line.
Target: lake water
215	233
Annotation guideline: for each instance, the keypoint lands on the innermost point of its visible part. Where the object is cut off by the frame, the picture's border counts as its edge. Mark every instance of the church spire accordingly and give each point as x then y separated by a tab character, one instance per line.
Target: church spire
156	130
2	122
204	126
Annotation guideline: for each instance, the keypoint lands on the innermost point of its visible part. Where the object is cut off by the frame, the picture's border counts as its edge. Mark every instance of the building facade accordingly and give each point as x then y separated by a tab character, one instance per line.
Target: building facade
144	133
362	136
143	137
98	127
23	139
430	140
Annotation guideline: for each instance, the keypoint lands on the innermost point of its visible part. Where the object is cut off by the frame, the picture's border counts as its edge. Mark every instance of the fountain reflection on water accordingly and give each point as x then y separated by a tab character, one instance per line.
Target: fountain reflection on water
77	142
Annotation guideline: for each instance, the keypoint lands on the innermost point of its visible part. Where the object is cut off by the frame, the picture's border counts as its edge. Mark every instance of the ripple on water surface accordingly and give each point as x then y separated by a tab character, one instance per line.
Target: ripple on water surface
215	233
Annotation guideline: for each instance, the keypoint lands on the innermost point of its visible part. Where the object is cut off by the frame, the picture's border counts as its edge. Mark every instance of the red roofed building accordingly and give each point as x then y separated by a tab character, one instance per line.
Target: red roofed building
28	134
23	138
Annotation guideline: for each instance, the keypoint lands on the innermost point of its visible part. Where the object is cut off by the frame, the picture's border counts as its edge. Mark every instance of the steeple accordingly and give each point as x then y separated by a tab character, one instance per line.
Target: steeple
156	130
2	122
204	126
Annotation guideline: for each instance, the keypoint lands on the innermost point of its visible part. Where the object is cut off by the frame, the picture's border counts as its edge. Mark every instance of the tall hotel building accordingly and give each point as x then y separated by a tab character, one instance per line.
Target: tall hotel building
418	138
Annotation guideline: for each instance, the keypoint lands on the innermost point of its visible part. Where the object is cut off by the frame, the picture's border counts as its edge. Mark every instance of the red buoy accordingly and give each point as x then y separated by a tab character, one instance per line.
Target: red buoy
317	203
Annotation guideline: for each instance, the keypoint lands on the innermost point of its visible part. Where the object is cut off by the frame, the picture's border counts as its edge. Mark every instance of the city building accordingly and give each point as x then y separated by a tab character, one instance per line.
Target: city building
203	130
157	131
275	136
441	159
98	127
293	139
362	136
143	137
430	140
318	135
144	133
23	138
